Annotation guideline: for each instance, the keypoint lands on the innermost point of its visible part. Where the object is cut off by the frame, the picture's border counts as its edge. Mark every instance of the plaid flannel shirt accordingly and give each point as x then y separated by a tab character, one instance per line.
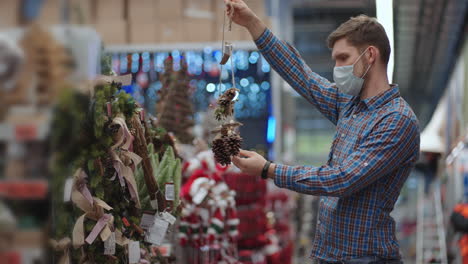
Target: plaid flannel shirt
374	149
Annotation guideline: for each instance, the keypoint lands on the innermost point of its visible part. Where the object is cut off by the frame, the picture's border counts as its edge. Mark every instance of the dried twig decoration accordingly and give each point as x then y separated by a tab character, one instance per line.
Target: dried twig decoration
227	52
140	148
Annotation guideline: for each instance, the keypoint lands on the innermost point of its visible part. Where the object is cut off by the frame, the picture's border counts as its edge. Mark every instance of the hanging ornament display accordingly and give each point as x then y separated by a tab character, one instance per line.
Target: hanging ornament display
208	229
228	142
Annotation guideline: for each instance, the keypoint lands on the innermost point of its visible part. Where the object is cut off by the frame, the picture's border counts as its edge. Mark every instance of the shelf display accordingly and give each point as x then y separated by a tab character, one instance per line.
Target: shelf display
208	229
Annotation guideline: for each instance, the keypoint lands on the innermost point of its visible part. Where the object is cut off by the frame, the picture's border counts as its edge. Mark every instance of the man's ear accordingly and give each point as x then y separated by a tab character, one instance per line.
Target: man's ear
373	54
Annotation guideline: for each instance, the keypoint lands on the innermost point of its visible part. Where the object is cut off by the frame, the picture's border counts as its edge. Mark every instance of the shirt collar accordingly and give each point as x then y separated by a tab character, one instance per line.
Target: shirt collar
383	98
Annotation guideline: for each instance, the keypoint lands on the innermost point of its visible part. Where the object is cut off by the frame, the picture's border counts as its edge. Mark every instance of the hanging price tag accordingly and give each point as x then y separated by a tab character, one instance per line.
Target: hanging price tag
168	217
154	204
67	190
147	221
109	245
134	252
157	232
169	192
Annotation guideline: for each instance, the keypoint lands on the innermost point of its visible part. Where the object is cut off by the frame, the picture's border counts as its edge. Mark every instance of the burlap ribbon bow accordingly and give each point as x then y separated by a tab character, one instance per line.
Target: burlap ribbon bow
123	158
64	246
94	209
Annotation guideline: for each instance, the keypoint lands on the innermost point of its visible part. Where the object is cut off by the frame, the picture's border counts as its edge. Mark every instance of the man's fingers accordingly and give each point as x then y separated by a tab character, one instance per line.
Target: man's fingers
231	6
237	161
245	153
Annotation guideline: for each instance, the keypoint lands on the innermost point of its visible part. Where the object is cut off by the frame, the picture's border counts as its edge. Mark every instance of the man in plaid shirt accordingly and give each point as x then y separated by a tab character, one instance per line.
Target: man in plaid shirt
373	151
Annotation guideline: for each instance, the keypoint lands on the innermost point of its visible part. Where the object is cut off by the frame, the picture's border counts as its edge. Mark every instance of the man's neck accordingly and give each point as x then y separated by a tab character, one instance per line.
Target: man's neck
375	86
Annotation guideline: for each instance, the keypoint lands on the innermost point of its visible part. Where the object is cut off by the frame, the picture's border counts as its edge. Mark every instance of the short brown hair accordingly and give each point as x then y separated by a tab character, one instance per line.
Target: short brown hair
361	31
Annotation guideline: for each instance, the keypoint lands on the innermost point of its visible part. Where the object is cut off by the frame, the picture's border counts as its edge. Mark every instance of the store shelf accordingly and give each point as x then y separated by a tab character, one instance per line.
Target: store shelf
25	124
245	45
24	189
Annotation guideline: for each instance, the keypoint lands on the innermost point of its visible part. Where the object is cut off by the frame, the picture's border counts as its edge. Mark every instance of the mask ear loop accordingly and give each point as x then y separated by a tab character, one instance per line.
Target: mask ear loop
366	71
364	52
370	65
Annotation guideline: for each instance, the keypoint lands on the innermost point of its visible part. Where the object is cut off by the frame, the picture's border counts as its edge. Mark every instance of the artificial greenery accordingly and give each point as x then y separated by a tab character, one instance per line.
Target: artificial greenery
82	138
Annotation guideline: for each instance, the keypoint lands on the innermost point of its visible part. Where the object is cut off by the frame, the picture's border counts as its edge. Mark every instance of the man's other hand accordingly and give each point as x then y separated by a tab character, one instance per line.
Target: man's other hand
249	162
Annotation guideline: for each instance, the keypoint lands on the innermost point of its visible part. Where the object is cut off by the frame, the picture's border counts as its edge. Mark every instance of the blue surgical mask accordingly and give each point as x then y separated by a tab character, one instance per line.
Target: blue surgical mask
345	79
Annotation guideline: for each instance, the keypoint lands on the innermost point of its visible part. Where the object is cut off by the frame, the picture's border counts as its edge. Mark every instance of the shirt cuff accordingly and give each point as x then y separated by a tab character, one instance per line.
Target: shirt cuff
284	176
266	41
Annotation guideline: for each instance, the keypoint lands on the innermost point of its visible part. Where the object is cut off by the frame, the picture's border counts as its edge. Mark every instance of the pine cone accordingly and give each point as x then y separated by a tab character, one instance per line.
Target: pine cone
224	102
221	152
230	94
108	165
233	144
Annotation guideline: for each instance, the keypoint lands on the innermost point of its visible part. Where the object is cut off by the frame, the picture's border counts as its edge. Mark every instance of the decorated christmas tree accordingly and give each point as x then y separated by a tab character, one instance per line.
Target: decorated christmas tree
101	141
175	108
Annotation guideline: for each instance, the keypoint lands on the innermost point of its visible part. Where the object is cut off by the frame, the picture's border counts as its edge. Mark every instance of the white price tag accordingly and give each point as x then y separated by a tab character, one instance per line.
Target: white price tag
154	204
168	217
134	252
109	245
67	190
157	232
147	221
169	192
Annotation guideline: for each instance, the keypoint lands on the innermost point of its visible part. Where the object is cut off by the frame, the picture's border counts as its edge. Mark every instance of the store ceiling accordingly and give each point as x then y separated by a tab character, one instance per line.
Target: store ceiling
428	34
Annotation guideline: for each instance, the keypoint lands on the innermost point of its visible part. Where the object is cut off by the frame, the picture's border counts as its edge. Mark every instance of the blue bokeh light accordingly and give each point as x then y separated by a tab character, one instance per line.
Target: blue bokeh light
244	82
250	68
211	87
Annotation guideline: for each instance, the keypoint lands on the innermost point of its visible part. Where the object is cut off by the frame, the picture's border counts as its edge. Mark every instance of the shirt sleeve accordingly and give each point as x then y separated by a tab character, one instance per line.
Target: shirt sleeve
287	61
392	143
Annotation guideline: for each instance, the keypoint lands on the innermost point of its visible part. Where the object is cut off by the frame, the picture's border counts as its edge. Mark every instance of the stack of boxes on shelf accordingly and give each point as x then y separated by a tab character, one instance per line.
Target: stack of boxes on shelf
109	20
9	13
139	21
162	21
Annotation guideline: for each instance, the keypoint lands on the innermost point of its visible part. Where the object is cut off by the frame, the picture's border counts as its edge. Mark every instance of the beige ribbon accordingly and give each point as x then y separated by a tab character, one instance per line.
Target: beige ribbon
123	157
93	211
64	246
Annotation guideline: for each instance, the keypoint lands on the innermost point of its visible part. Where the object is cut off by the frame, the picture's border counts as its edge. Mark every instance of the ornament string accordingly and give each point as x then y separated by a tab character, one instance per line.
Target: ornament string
226	49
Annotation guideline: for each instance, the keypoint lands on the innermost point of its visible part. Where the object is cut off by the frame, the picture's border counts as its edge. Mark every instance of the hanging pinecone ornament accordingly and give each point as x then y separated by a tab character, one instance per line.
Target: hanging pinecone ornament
227	143
233	144
221	153
226	103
